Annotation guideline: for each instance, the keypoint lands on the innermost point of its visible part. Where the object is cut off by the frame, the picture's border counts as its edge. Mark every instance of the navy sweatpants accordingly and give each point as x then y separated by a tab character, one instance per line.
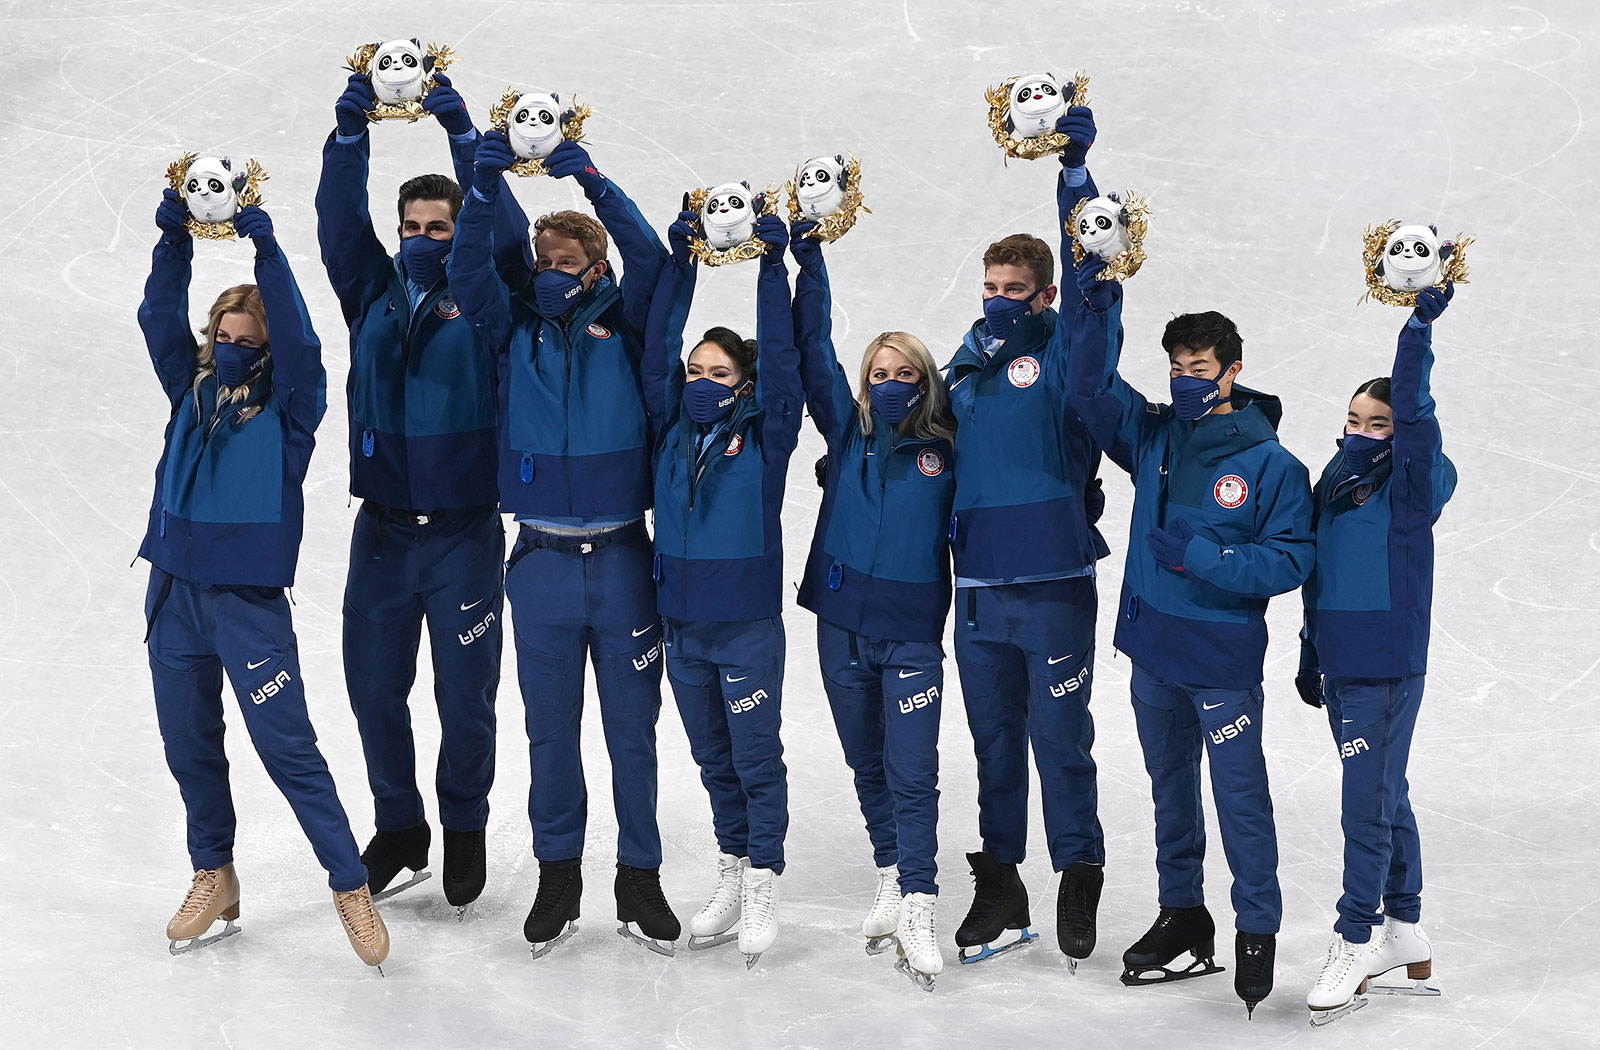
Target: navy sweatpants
602	604
197	633
446	570
885	697
1372	721
1174	720
728	681
1025	653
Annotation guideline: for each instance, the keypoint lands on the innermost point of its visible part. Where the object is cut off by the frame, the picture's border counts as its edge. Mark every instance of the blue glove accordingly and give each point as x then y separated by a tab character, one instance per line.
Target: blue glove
1169	547
1078	125
771	231
447	106
493	157
256	224
571	159
350	111
1100	295
681	232
1308	680
1094	502
172	216
807	251
1431	303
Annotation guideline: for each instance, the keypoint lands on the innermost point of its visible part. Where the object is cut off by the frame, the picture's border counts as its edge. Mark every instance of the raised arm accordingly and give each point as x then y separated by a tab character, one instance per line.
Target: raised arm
1074	184
661	367
513	252
1283	551
474	284
298	379
358	265
778	359
164	313
827	388
1424	478
1116	414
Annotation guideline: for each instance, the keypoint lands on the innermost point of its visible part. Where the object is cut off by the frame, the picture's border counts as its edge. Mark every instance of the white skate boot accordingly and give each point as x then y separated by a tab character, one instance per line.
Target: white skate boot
920	959
213	895
884	917
758	905
711	924
1336	991
1403	944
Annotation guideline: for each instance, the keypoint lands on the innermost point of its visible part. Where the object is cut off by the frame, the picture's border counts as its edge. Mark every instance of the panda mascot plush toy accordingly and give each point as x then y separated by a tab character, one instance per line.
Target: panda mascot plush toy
729	215
1036	103
211	189
820	189
1413	258
397	71
535	125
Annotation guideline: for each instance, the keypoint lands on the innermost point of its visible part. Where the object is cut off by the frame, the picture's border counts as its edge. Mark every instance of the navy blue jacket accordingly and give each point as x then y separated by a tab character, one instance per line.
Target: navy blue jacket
880	558
228	508
1369	602
719	540
575	442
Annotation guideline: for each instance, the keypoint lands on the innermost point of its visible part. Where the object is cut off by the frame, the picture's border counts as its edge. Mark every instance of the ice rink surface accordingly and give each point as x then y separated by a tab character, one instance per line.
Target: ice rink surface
1266	135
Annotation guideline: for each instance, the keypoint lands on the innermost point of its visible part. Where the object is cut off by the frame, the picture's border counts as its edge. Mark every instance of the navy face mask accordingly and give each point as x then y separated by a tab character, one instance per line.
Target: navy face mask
237	365
708	401
1193	397
894	399
556	292
1004	315
423	259
1363	452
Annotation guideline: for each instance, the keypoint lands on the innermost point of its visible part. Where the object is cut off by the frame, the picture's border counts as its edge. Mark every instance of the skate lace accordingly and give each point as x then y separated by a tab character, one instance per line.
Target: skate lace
1341	956
650	894
760	906
200	894
918	927
887	897
1076	918
358	914
551	889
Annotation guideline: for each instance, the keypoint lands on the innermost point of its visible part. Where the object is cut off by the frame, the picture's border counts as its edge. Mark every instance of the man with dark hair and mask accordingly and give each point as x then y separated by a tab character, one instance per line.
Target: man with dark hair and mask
423	453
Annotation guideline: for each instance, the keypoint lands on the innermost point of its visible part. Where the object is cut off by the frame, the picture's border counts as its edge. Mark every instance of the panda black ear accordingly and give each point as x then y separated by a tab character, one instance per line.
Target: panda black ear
1114	195
1122	217
227	164
840	158
758	203
1447	249
1380	267
239	181
1010	127
427	63
417	42
745	183
1434	228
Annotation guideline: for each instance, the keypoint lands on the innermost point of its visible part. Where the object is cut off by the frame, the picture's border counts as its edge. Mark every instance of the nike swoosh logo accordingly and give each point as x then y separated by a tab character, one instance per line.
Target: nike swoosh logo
958	382
1052	661
1209	707
643	630
732	679
909	674
258	663
474	605
1346	721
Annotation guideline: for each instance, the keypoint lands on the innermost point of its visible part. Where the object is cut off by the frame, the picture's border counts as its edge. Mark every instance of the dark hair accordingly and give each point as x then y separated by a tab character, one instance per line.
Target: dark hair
1375	388
742	351
1026	250
1207	331
430	188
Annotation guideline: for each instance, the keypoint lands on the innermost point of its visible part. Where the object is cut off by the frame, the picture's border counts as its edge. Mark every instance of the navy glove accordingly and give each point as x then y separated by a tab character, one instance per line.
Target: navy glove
822	471
350	112
807	251
493	157
1094	502
1169	547
1078	125
1100	295
172	216
681	232
256	224
1309	685
571	159
447	106
1431	303
771	231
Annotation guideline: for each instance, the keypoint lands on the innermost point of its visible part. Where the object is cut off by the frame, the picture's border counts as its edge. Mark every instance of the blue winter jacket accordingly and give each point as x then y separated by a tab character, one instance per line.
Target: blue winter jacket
880	557
228	508
719	540
1247	498
1369	601
575	444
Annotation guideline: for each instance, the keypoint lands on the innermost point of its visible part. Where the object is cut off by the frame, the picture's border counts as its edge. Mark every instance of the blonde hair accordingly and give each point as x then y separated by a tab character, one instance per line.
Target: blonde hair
241	298
932	417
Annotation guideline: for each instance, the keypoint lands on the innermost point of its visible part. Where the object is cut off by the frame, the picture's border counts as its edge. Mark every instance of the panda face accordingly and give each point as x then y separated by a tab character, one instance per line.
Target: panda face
534	126
1036	104
1100	231
821	187
1411	259
728	216
208	191
396	71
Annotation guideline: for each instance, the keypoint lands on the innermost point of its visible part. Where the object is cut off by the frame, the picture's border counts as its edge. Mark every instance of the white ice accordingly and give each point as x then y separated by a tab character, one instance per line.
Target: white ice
1266	135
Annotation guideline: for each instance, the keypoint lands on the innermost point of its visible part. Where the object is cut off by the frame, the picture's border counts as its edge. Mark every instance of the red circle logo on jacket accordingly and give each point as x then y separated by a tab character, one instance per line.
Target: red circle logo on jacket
1363	493
735	443
930	462
1024	372
1231	491
600	331
447	308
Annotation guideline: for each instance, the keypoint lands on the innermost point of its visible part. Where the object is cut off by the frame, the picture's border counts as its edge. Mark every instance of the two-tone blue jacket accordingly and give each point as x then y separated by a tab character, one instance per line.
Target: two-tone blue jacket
228	508
1369	601
1247	498
422	385
719	490
575	444
880	558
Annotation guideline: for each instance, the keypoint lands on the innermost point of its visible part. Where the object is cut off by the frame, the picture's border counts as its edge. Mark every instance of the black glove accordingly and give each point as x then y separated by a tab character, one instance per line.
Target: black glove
822	471
1308	680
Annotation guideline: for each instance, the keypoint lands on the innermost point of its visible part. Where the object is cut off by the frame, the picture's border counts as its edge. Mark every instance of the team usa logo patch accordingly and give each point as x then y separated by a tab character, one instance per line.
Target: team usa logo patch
735	444
447	308
600	331
1230	491
1363	493
930	462
1024	372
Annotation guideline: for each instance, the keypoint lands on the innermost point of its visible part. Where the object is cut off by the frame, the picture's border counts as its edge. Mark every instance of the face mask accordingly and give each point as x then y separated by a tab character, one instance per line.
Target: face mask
1004	315
1363	452
237	365
894	399
423	259
1193	397
556	292
708	401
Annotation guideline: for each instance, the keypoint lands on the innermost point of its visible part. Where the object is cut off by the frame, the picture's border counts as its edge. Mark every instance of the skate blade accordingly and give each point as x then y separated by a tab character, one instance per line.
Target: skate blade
667	948
1418	987
184	947
700	944
751	960
1322	1017
916	977
467	912
544	948
879	945
1137	977
988	951
390	891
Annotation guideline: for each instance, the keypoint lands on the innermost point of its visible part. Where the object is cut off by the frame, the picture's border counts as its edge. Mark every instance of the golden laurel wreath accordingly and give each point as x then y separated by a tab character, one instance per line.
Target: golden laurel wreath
412	111
836	225
254	176
1376	237
1124	264
1050	142
571	129
753	248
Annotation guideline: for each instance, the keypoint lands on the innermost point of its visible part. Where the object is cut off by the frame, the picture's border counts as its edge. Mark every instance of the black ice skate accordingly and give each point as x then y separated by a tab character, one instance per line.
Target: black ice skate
391	852
1076	903
1253	954
463	869
1176	930
641	904
553	918
999	903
